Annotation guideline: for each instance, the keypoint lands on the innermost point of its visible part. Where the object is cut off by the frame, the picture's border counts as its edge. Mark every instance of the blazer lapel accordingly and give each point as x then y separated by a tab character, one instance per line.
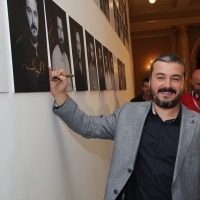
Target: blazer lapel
188	125
137	129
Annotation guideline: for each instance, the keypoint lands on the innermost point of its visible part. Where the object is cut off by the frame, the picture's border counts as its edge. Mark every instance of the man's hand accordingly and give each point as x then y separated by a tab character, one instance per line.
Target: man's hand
58	86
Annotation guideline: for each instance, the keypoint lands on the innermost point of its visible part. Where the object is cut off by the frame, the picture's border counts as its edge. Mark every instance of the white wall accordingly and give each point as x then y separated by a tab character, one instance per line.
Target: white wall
40	157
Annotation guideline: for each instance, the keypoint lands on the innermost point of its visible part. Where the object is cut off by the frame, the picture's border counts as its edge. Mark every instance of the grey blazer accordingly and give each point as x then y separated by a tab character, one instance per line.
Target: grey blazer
125	126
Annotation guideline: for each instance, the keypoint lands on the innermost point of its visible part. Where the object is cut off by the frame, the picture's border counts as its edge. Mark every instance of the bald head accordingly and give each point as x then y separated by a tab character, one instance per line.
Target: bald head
196	81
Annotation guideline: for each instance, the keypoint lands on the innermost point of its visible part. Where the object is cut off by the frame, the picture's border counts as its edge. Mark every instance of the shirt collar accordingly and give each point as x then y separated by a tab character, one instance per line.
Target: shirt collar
176	120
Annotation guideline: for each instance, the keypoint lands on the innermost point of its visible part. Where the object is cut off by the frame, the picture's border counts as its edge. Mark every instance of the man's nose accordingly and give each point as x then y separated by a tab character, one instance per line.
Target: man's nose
167	82
33	18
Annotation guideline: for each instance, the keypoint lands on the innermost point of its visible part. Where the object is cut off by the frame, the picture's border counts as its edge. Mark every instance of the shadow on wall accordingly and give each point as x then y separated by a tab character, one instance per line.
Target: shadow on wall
99	147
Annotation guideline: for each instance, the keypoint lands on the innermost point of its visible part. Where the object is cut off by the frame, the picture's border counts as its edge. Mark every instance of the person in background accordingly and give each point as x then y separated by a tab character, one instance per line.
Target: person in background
156	144
192	99
146	95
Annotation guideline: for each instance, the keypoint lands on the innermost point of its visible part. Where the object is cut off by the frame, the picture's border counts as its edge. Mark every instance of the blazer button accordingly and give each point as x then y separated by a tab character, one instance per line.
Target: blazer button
192	121
129	170
116	191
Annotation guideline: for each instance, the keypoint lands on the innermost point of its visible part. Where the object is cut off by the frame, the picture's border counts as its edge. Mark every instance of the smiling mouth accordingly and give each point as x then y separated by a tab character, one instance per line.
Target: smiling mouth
168	93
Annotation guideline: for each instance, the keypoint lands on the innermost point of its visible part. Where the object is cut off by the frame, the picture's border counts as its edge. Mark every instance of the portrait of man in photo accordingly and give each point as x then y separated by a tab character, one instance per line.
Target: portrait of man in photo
58	39
78	53
92	68
122	77
100	65
28	44
108	80
111	69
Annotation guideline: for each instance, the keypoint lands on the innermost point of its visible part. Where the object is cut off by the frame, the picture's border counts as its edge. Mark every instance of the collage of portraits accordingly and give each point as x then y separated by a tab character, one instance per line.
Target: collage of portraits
43	35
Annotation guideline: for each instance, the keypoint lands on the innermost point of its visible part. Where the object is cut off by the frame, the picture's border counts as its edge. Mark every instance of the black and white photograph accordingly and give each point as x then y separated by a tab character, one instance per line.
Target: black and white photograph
124	75
111	69
120	27
108	81
121	73
115	15
92	68
58	39
104	5
100	65
78	52
107	9
116	76
101	3
28	45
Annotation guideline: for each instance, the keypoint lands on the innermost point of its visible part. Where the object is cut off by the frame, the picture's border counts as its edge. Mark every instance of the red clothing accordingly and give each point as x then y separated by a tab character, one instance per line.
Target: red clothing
187	100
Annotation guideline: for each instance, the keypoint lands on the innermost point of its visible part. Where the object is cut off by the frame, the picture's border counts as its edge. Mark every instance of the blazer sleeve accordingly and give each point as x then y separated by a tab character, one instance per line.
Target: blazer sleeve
88	126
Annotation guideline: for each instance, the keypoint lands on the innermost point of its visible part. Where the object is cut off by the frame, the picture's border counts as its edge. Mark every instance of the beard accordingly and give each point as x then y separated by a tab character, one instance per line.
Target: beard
61	45
166	104
33	35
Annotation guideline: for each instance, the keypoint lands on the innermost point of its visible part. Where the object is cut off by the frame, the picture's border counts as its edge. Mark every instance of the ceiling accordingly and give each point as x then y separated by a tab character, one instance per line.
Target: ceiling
162	14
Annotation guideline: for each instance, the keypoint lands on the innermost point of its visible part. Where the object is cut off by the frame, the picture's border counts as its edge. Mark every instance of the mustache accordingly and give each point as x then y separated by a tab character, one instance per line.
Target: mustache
61	40
33	27
170	89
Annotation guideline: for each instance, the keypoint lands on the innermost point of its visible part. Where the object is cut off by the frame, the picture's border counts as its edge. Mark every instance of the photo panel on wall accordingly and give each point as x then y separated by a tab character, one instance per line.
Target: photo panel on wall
28	45
124	75
58	39
111	69
104	6
121	73
91	56
116	76
78	53
108	81
100	65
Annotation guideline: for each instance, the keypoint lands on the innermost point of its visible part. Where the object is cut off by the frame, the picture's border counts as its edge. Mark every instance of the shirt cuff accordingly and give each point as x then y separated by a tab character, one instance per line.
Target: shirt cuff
56	106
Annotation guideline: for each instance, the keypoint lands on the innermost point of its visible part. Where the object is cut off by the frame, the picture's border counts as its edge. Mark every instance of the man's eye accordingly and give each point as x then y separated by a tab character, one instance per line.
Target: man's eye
160	77
36	14
175	79
28	10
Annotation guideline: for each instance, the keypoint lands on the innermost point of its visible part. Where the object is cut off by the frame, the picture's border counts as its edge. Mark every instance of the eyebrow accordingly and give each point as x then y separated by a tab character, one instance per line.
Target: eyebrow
165	74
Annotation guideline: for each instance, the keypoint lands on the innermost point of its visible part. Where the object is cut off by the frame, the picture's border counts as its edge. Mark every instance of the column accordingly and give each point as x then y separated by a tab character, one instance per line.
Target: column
184	51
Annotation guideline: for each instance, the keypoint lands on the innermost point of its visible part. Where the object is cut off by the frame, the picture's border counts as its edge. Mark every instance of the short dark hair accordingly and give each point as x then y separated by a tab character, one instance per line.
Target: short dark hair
169	58
57	13
145	80
25	3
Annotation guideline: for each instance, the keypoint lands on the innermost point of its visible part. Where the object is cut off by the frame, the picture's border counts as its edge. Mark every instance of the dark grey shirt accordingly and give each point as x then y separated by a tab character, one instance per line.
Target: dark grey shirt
154	167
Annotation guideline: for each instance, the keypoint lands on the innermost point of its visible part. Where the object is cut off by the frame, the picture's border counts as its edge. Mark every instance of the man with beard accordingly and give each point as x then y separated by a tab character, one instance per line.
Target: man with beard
192	99
100	70
79	68
29	66
156	144
112	70
146	95
108	81
59	56
92	68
